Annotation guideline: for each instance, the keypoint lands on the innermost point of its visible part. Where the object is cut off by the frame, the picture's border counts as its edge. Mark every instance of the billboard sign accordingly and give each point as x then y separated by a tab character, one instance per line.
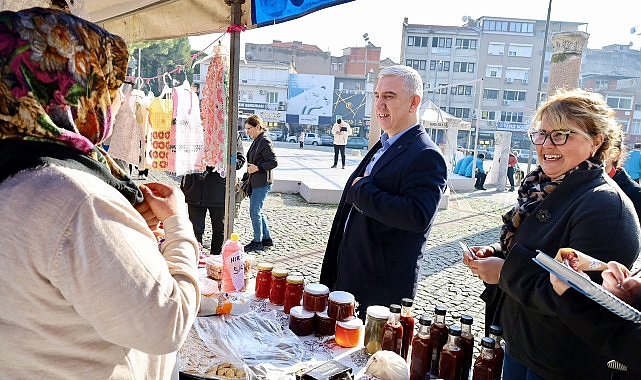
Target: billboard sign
310	98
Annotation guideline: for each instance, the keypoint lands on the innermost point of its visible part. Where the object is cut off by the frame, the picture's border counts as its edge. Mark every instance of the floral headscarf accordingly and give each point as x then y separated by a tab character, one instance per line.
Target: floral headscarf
59	75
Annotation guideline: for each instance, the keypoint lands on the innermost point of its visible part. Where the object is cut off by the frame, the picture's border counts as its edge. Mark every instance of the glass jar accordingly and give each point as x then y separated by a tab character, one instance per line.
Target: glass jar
263	280
348	332
301	321
293	292
324	324
315	297
374	322
341	305
277	289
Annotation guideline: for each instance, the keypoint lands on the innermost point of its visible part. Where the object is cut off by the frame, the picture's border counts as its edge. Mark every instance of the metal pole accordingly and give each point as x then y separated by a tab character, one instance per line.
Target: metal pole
232	116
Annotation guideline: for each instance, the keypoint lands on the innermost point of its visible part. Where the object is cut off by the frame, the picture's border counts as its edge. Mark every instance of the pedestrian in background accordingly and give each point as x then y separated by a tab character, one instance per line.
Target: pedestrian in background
389	203
206	192
341	132
632	163
261	161
512	161
301	140
479	172
566	201
88	292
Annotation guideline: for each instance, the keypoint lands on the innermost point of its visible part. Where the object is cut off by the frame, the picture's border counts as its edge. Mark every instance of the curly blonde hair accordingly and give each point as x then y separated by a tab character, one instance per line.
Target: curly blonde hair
588	110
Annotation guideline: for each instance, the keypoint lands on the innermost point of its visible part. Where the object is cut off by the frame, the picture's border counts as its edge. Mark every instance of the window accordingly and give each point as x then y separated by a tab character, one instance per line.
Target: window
463	113
496	48
520	50
514	95
635	128
619	103
462	90
492	25
488	115
521	27
417	64
464	43
416	41
491	94
515	117
440	65
272	97
441	42
337	66
463	67
493	71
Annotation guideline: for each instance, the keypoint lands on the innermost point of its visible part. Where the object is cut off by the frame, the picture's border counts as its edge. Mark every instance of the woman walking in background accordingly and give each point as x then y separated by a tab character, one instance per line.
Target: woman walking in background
261	160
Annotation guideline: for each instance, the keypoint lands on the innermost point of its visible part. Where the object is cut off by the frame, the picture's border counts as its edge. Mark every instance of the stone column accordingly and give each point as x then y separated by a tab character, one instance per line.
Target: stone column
498	172
565	67
451	137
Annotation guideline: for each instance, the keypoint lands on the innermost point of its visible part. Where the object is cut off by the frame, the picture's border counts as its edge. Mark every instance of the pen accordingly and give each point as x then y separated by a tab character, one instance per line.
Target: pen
631	275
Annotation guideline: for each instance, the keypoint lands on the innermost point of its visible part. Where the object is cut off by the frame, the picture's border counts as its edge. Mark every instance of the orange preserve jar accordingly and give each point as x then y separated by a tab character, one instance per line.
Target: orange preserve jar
301	321
293	292
348	332
341	305
263	280
277	289
315	297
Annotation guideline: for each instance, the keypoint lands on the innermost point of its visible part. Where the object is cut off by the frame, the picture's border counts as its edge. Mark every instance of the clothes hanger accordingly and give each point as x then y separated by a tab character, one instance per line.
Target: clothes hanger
138	84
166	92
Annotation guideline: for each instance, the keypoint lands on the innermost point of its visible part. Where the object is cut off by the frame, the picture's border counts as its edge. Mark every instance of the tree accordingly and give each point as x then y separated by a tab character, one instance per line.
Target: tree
163	56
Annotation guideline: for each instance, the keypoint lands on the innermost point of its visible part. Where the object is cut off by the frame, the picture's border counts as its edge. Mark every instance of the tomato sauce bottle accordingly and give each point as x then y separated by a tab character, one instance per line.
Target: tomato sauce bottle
393	331
421	357
485	365
408	325
496	333
438	334
467	345
451	362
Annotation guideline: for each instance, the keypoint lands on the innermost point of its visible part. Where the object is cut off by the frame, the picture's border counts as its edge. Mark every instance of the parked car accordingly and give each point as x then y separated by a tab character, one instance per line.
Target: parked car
357	142
310	138
276	134
292	138
327	139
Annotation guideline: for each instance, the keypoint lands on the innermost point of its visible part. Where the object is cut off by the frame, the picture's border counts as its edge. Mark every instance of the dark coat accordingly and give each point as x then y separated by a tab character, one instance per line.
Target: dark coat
392	211
261	153
207	189
630	187
587	212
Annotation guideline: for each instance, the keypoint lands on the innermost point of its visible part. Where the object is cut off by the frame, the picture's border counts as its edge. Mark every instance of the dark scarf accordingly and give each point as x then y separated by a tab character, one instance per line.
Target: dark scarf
534	189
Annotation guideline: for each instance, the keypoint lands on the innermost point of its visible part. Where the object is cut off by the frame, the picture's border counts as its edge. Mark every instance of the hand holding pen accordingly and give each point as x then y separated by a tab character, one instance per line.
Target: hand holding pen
623	284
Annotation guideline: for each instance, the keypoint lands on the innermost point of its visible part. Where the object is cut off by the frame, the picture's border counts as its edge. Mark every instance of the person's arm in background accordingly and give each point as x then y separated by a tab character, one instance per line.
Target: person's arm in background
240	153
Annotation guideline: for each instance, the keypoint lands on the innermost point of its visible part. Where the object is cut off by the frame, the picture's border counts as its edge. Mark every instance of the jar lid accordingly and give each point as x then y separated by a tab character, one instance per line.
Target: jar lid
496	330
295	279
394	308
407	302
425	320
299	312
341	296
351	323
322	314
280	272
380	312
455	330
265	266
488	342
440	310
316	289
467	319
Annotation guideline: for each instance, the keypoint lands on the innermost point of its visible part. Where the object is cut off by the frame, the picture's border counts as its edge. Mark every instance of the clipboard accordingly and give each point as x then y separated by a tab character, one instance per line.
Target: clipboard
588	288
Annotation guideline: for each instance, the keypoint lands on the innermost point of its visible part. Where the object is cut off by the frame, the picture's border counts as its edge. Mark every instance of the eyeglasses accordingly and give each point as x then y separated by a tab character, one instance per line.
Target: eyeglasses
557	137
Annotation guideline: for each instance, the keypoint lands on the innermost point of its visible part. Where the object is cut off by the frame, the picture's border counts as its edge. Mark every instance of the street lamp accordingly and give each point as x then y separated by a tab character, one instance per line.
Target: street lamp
436	78
366	38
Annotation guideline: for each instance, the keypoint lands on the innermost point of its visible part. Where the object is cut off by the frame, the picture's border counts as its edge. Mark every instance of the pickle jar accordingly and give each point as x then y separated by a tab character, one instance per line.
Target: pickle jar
293	292
375	321
263	280
341	305
324	324
315	297
277	289
348	332
301	321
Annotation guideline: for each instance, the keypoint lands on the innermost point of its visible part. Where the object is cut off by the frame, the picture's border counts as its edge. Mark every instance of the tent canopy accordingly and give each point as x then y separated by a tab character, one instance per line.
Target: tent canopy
434	117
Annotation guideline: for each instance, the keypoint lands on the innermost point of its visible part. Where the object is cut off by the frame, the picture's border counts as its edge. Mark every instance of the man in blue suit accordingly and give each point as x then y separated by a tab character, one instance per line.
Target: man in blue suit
388	205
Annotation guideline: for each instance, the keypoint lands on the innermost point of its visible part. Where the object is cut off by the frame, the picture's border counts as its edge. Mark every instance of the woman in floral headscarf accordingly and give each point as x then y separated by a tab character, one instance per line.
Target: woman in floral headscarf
86	294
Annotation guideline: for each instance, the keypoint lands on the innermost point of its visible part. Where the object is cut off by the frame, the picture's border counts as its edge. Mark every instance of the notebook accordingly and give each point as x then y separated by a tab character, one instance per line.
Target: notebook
589	288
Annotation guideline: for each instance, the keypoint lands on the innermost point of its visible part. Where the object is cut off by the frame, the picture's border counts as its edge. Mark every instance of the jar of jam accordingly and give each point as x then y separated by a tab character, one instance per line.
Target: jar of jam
376	319
293	292
324	324
301	321
315	297
277	289
341	305
263	280
348	332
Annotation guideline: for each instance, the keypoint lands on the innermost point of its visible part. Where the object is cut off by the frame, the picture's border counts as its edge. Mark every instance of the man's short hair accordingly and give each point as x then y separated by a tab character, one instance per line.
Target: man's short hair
412	81
339	120
637	145
481	156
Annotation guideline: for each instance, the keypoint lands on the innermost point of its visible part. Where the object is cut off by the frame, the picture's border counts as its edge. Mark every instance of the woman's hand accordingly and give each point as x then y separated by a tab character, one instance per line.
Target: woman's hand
487	269
161	202
618	281
477	252
559	286
251	168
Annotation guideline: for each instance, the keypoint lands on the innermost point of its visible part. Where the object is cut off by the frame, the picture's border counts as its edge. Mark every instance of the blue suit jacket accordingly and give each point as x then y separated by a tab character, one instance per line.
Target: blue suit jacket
375	256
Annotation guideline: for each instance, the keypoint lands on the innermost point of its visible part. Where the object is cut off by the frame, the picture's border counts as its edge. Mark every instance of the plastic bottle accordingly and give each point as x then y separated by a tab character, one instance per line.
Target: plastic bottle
438	333
421	350
496	333
449	367
233	266
408	325
467	345
393	331
485	365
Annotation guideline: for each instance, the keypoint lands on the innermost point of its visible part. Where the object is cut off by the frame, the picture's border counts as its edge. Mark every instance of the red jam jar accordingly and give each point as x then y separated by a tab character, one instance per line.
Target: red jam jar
293	292
324	324
341	305
277	289
263	280
301	321
348	332
315	297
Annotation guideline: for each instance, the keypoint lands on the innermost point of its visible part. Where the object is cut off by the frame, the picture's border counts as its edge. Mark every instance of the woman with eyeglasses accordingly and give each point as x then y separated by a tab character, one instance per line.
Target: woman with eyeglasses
261	160
566	201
